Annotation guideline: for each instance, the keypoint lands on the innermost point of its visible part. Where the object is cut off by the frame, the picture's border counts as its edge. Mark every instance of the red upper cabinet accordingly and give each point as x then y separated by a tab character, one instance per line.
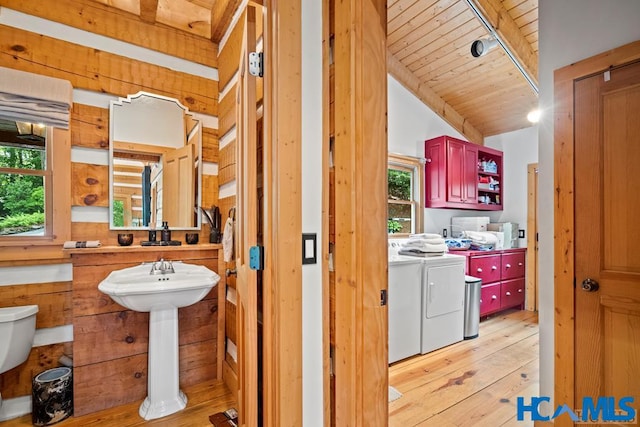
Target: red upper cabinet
456	176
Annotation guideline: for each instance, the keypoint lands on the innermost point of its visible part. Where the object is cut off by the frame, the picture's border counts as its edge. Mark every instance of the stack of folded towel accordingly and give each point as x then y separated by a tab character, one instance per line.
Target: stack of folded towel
425	244
481	240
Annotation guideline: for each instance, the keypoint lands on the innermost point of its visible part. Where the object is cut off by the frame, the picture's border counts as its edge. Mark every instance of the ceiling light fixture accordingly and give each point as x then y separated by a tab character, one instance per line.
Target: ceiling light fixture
496	36
534	116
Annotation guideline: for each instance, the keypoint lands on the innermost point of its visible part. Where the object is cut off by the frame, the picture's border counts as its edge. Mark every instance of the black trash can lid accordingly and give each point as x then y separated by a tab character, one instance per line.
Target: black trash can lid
471	279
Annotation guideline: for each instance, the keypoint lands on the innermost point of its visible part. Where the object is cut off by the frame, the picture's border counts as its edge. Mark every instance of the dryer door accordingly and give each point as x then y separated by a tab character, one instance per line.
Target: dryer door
444	290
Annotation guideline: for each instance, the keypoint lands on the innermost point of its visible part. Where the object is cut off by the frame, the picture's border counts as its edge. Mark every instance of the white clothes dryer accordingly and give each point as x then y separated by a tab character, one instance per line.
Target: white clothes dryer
442	301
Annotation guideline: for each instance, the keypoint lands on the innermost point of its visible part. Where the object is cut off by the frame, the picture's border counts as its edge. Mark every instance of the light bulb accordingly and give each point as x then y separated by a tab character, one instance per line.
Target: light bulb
534	116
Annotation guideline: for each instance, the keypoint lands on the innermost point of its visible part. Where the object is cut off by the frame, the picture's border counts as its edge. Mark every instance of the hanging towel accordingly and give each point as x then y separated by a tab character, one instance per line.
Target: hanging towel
227	240
72	244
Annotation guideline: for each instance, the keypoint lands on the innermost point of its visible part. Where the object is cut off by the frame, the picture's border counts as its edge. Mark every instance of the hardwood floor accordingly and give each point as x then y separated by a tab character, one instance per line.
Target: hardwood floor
471	383
204	399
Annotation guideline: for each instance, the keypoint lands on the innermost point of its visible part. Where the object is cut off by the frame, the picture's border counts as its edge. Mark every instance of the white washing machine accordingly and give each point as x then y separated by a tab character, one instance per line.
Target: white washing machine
442	301
404	305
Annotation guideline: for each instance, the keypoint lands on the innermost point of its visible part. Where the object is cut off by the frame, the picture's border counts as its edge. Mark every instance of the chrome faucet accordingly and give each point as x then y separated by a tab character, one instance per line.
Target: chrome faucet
162	267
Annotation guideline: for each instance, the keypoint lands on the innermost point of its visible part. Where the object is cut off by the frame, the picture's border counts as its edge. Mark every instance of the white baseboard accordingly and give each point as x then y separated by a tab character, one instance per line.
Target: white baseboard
15	407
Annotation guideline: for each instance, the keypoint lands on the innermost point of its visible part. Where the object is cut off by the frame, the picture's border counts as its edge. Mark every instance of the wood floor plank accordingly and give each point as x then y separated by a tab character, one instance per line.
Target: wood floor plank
471	383
494	405
437	364
204	399
496	323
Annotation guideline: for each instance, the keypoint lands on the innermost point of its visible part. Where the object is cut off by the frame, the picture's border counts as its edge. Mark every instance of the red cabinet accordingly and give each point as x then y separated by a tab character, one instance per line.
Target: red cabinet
462	175
503	278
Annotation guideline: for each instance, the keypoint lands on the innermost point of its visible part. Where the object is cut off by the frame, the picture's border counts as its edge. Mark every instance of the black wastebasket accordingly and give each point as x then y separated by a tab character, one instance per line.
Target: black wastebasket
52	396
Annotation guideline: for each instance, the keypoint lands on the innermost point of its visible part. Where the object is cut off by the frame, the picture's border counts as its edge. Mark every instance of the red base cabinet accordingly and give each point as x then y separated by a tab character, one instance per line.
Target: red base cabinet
503	278
462	175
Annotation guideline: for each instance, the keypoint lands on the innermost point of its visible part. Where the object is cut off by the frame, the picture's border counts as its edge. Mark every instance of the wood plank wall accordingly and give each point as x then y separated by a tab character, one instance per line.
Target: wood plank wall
104	379
98	72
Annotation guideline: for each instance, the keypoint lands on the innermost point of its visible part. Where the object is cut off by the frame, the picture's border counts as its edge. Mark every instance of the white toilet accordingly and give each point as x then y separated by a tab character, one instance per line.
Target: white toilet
17	328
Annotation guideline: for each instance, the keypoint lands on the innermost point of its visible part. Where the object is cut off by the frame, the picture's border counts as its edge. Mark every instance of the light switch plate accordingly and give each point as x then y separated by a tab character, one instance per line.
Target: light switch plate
309	249
521	234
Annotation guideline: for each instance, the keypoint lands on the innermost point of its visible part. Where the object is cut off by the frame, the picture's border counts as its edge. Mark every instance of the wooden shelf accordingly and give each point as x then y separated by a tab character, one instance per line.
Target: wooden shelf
138	248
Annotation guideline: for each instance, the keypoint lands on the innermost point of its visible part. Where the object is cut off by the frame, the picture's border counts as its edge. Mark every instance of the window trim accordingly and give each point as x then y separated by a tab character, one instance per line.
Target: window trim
58	202
416	166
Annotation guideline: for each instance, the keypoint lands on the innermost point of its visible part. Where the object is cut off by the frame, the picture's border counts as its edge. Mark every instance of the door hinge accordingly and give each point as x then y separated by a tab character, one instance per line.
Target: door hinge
256	64
383	297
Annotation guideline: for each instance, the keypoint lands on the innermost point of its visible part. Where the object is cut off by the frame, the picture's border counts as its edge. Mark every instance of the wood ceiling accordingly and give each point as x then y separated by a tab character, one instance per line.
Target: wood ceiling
428	44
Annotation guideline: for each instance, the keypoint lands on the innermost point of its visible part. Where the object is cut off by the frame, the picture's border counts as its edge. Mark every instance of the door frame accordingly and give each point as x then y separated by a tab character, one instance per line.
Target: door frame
532	238
282	178
564	213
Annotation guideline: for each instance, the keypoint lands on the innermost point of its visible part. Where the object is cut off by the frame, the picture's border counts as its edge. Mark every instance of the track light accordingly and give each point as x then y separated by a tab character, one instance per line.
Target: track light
482	46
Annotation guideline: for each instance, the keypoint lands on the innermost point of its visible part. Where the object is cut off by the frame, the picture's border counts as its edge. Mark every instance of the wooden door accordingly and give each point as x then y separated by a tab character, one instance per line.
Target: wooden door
607	139
178	182
455	172
597	267
470	174
247	230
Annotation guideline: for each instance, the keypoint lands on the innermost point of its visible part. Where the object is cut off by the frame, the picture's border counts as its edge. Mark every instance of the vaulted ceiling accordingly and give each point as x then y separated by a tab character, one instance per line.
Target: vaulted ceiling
429	46
429	53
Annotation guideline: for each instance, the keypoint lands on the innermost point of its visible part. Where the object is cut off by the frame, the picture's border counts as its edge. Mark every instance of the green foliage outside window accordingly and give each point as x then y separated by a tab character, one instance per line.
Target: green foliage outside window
399	188
118	213
21	194
399	184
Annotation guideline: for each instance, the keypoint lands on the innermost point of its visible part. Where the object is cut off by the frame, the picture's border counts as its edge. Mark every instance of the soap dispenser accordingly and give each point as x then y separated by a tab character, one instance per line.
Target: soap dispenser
166	233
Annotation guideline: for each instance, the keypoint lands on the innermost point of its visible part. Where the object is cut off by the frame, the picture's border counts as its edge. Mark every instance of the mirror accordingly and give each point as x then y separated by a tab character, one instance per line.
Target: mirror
155	153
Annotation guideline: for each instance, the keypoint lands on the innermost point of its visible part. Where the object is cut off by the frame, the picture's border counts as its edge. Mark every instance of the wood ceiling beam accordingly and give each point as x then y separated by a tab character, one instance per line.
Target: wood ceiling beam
221	15
148	10
95	17
432	100
510	33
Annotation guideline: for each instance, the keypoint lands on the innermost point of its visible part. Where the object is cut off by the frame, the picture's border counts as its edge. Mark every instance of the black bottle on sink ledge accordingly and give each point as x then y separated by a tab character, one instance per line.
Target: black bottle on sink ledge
166	233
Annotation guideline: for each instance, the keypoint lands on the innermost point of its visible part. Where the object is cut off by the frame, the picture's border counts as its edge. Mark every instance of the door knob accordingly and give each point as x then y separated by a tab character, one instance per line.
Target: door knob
590	285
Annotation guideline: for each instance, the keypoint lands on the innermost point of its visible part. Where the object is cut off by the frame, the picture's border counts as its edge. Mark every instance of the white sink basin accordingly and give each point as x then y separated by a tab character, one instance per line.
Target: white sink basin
137	289
161	288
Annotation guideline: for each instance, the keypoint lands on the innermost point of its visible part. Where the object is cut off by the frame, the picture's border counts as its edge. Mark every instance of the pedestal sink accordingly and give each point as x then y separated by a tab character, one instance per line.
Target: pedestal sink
160	288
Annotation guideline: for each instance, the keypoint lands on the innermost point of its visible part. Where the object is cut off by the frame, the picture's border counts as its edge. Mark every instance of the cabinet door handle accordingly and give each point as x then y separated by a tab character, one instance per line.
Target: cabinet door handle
508	294
519	264
508	266
494	297
519	290
493	267
479	270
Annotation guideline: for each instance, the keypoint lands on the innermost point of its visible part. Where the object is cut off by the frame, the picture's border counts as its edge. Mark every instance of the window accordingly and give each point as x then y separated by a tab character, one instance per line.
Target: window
27	212
405	195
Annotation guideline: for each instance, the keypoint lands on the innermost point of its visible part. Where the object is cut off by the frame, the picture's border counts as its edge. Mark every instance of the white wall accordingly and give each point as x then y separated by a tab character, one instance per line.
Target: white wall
312	375
569	30
520	148
411	123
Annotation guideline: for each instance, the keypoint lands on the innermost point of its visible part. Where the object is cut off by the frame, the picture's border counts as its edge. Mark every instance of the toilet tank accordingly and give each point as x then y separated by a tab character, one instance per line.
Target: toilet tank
17	329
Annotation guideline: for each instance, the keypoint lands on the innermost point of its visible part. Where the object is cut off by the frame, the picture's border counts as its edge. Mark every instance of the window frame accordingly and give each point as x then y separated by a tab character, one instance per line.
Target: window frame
416	167
57	194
